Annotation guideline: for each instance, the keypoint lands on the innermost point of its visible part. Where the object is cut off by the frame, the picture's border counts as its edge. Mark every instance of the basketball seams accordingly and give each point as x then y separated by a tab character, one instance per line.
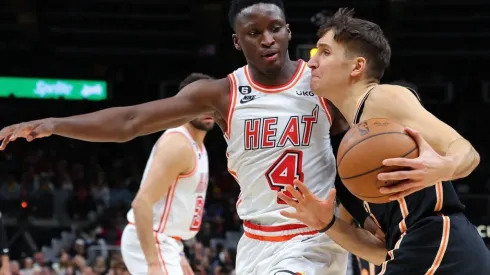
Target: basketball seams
339	161
377	168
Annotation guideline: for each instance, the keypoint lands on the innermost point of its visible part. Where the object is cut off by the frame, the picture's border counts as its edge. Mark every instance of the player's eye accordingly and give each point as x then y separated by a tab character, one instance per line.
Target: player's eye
276	28
253	33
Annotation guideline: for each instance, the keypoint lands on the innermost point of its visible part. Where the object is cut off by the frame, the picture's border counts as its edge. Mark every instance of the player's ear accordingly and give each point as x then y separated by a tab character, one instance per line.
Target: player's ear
289	31
236	43
359	66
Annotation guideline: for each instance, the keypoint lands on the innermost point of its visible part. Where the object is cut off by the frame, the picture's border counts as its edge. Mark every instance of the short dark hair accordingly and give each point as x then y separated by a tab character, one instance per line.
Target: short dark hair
360	37
192	78
238	5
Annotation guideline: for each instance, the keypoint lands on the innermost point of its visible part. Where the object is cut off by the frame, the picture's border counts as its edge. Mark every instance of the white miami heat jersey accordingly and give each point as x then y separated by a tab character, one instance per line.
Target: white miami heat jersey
179	213
274	135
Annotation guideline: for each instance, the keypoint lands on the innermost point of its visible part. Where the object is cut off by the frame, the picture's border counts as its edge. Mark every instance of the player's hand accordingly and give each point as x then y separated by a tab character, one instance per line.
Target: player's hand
155	269
426	170
186	267
310	209
28	130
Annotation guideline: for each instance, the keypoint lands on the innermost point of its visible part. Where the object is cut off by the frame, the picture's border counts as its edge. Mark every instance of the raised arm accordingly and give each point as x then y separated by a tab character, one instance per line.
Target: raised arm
121	124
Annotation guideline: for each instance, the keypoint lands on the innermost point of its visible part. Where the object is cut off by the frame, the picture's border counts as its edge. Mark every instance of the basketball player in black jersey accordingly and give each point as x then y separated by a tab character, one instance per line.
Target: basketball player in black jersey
426	230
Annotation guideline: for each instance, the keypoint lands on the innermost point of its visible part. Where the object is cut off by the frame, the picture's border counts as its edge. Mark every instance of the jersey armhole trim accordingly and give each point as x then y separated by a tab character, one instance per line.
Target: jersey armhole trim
196	163
326	109
231	104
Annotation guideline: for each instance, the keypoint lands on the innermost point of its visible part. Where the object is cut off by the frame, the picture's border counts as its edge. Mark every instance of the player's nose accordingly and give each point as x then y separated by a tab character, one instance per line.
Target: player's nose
313	63
267	39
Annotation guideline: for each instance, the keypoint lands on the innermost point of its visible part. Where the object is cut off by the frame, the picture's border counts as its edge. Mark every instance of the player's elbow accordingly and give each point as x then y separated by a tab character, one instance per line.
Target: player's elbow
476	161
140	203
131	124
378	261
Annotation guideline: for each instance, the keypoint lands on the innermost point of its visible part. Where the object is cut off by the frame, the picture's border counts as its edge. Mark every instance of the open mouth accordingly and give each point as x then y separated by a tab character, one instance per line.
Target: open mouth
270	56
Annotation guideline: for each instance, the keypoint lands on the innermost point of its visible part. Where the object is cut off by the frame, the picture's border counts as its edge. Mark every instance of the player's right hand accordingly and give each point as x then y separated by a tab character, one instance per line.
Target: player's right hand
310	210
28	130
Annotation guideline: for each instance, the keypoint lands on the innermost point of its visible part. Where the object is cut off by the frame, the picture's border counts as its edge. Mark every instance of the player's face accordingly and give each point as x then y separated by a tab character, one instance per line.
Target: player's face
204	122
331	67
263	36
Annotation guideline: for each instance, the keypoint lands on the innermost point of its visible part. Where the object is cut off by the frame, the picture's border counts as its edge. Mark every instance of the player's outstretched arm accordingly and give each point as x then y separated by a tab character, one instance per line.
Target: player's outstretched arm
444	153
172	156
319	214
121	124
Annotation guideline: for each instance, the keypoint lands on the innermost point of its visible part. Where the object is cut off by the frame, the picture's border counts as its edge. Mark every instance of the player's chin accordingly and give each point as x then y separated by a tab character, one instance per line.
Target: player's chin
208	125
271	67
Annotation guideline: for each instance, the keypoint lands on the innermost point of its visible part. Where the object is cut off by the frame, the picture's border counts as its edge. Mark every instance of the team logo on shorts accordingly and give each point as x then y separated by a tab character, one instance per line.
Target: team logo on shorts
288	272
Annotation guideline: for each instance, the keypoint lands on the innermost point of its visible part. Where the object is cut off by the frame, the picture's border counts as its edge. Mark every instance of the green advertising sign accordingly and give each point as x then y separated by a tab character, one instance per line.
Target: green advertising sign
36	88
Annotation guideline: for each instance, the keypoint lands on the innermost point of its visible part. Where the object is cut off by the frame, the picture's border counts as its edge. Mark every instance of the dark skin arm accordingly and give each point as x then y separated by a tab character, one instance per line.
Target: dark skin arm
121	124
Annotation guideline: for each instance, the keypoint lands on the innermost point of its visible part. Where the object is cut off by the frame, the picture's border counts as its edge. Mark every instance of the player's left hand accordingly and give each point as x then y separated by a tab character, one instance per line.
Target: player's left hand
426	170
310	210
186	267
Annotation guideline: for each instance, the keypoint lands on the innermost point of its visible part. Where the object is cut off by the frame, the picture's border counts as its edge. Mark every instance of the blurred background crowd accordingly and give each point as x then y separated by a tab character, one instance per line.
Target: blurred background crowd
64	202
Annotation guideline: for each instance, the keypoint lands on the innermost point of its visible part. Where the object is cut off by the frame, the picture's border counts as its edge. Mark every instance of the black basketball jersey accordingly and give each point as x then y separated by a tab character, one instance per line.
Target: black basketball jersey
394	218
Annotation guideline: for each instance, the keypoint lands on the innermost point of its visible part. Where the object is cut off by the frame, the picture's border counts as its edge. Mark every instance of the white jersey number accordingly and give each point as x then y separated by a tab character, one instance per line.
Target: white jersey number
287	168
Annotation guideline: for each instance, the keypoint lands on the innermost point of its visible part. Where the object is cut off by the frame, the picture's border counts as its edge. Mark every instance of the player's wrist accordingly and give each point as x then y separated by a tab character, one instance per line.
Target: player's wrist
327	226
449	166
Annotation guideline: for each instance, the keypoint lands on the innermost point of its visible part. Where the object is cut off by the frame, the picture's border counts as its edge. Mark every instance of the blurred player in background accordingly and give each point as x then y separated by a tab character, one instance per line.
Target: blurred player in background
169	206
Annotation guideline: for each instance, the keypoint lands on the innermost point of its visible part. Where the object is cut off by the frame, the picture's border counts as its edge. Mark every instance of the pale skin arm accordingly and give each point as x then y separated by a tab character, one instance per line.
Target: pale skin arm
448	156
317	213
121	124
172	156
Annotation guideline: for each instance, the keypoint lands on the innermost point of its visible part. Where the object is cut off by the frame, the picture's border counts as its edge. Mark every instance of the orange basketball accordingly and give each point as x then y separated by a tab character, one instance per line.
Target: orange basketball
362	151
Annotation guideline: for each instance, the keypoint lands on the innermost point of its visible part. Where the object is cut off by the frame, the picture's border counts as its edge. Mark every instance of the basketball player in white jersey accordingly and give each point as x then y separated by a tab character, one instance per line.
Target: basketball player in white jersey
276	130
169	205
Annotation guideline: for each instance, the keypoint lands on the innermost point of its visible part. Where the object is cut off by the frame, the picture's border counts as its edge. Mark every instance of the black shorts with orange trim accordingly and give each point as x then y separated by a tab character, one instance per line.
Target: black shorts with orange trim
439	245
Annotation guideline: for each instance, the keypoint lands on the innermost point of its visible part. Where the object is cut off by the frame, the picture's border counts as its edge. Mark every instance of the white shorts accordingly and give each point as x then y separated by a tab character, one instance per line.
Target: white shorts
303	254
168	250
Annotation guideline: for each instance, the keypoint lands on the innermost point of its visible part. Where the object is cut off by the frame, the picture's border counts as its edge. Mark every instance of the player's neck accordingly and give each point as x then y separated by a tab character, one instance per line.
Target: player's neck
347	99
197	135
276	78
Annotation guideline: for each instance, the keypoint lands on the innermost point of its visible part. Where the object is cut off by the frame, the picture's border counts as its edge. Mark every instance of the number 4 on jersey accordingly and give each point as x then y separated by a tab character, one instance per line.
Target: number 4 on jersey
287	168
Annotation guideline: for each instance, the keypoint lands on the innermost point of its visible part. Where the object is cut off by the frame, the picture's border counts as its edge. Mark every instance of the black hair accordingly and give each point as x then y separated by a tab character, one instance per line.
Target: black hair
192	78
360	37
238	5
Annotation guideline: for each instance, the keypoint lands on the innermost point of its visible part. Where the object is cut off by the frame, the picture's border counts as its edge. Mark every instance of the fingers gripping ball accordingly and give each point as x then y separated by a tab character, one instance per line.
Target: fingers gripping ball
362	151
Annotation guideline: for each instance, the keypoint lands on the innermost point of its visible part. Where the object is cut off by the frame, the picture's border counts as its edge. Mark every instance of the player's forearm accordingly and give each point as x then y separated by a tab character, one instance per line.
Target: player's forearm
121	124
358	241
463	157
143	216
108	125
